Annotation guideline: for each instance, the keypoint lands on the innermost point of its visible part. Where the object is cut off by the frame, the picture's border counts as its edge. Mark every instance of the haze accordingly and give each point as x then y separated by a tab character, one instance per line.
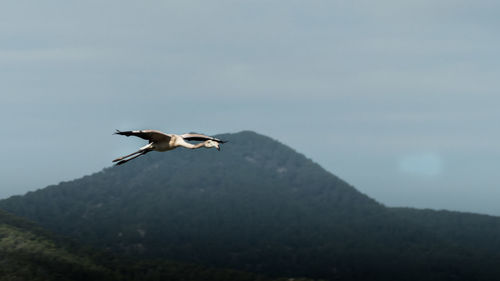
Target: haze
398	98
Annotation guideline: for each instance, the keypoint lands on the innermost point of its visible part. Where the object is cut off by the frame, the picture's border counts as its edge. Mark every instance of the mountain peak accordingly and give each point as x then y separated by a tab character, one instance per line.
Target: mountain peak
256	205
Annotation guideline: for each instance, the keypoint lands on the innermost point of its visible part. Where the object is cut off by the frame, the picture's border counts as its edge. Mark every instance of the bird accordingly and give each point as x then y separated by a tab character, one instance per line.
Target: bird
159	141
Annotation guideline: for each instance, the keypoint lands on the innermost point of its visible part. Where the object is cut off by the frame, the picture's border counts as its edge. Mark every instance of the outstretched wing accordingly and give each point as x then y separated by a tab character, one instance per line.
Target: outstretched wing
200	137
150	135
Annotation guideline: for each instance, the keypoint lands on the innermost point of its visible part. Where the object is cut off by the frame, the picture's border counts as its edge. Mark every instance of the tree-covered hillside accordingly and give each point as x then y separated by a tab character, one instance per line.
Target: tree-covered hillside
256	206
27	252
481	232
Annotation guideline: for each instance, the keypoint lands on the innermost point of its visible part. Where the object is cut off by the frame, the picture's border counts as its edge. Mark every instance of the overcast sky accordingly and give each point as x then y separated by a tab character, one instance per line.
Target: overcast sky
399	98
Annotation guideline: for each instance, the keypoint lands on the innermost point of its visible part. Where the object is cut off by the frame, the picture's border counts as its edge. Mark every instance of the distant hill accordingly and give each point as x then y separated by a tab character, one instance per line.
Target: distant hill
28	252
481	232
257	205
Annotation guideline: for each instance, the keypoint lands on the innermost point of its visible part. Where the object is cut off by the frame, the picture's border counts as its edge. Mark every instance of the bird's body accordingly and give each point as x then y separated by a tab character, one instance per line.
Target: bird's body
159	141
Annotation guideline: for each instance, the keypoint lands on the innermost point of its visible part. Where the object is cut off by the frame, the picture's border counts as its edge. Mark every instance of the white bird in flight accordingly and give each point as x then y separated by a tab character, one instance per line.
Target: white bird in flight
159	141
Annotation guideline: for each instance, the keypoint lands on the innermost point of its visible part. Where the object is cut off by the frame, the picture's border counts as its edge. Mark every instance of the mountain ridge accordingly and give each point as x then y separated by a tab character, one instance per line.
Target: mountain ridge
257	205
29	252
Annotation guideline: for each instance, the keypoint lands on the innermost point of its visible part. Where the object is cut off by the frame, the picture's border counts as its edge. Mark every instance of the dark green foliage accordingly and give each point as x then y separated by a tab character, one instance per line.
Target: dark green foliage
480	232
256	206
29	253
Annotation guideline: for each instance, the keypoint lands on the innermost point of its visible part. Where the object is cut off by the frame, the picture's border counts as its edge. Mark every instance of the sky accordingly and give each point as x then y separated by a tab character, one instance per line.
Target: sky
398	98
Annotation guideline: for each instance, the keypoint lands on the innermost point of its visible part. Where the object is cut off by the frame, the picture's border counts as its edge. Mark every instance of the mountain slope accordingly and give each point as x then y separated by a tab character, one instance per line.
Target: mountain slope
257	205
476	231
27	252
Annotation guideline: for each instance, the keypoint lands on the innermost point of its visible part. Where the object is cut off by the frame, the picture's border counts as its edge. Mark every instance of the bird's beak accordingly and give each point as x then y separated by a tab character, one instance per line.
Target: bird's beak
218	148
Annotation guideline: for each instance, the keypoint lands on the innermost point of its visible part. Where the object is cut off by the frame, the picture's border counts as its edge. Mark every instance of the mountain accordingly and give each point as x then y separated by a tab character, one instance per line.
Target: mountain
481	232
27	252
257	205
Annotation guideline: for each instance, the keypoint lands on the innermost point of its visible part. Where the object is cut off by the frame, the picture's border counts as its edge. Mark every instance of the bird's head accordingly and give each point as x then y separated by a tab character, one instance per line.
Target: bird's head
211	143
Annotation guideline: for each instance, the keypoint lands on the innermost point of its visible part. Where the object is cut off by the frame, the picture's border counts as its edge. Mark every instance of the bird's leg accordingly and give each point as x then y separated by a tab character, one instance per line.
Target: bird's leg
126	160
144	148
123	157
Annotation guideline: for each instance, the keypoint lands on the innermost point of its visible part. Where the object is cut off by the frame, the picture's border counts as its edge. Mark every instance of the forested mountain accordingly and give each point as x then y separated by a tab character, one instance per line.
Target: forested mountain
481	232
28	252
258	206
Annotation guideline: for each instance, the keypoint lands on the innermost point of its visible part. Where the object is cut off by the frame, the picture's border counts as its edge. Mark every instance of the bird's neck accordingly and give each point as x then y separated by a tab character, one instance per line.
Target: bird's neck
193	146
